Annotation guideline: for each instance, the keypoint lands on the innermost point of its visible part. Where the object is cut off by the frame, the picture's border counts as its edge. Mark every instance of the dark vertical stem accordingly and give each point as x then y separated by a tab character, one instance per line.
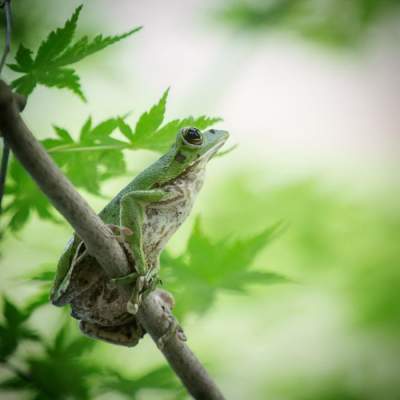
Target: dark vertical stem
6	149
7	48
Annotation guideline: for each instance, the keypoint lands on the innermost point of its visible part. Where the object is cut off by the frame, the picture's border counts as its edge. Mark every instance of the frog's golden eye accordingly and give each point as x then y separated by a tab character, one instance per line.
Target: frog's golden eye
193	136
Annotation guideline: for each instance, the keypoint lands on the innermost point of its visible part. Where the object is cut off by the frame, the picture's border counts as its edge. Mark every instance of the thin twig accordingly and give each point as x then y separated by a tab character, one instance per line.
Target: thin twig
7	48
6	149
76	148
99	242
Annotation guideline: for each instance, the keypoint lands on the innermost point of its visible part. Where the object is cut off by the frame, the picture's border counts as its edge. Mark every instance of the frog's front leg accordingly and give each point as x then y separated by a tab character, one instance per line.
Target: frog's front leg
132	209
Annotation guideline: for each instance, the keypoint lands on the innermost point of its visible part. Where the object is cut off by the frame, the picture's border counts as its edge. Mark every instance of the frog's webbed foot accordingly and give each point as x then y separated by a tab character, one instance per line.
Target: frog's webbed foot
120	233
167	302
144	284
136	297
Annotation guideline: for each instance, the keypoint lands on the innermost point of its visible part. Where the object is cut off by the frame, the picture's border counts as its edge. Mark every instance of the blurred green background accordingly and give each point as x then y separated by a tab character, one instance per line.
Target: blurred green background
309	91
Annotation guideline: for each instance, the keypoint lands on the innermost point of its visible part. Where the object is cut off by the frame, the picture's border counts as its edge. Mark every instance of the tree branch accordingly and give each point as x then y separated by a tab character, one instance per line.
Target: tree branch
6	149
98	240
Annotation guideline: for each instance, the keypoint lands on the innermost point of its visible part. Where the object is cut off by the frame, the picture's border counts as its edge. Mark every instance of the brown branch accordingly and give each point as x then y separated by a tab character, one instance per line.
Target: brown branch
6	149
98	240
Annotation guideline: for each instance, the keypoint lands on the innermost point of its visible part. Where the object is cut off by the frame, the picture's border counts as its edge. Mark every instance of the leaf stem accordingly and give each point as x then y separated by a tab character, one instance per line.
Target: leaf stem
68	148
7	48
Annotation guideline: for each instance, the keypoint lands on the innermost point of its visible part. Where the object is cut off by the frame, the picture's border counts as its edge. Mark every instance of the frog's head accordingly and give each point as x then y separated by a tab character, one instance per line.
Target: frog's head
193	146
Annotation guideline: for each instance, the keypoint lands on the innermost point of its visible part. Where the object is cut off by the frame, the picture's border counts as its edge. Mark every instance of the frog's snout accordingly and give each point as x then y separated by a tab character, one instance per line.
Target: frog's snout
218	135
220	132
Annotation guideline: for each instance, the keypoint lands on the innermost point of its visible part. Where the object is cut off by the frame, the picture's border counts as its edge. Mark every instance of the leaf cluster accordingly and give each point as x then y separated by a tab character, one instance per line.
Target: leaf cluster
51	65
23	199
96	155
61	366
13	330
160	378
208	267
95	149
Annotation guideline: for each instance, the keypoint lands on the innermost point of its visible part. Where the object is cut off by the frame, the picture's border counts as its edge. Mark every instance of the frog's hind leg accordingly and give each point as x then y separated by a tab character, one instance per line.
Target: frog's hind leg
127	335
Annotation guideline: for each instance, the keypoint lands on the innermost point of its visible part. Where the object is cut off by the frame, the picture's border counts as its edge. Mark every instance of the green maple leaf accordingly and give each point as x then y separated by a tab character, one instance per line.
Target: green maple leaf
207	267
151	134
23	198
55	53
159	378
93	158
57	41
14	383
63	353
61	78
151	120
14	329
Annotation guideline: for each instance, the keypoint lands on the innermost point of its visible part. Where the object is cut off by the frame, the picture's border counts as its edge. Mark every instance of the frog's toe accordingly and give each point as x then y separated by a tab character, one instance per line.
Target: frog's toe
136	298
120	232
132	308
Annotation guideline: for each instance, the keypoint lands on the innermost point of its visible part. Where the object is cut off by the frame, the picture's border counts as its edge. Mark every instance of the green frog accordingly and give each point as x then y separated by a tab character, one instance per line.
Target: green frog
143	216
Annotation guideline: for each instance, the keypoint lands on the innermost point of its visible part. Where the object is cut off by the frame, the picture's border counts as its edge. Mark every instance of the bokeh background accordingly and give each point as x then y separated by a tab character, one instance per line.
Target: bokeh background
310	91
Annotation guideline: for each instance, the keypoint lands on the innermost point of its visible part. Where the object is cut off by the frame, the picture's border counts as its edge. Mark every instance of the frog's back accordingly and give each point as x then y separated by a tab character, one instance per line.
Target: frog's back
110	215
155	174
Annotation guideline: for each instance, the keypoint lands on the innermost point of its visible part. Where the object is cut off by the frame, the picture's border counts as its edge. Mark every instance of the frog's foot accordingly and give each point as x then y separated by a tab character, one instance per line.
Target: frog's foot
136	297
139	284
144	285
120	232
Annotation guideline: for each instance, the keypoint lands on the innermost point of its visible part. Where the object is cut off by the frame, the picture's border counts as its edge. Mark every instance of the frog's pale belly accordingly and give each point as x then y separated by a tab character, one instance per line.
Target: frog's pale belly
97	299
163	219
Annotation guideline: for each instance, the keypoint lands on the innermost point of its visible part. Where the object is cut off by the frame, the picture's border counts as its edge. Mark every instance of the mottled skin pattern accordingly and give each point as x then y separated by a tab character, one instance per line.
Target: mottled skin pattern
96	300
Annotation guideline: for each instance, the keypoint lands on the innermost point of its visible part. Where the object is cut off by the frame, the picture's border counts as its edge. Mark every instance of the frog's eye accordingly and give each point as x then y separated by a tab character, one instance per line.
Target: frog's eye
192	136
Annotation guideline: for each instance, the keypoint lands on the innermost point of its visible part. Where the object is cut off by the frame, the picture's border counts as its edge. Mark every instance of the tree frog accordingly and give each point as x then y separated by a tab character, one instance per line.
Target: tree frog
143	215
